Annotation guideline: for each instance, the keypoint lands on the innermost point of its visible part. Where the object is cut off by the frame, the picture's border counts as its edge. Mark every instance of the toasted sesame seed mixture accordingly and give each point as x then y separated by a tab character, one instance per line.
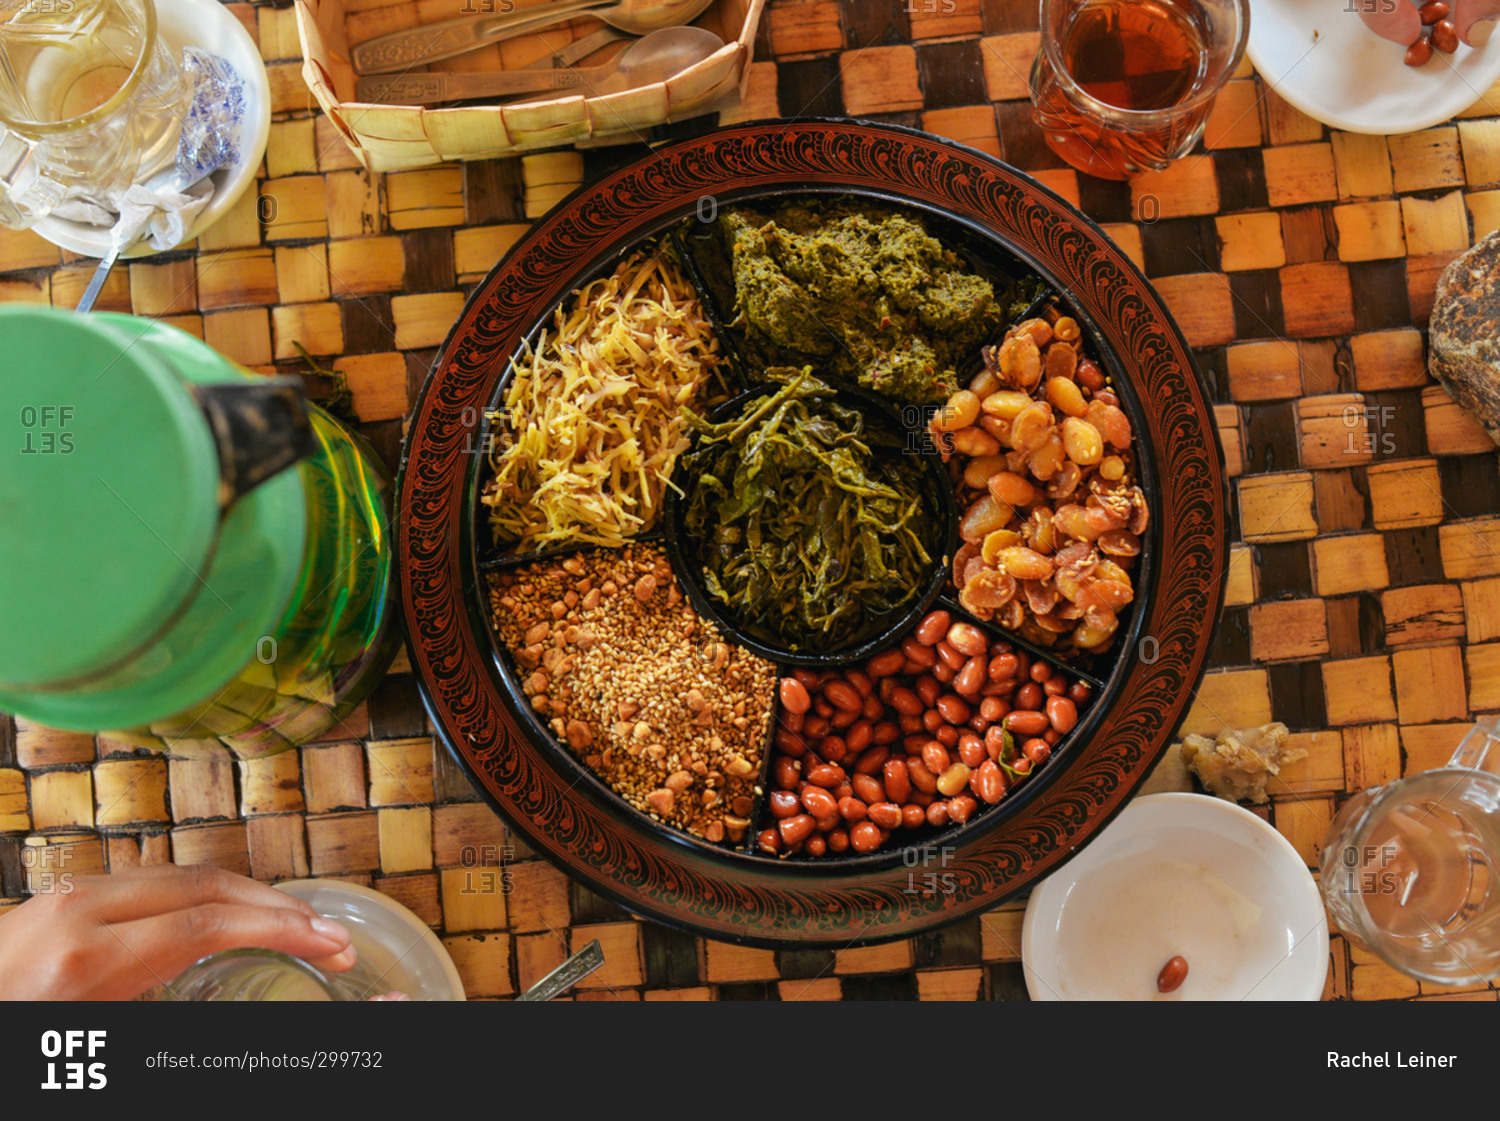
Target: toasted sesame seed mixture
649	696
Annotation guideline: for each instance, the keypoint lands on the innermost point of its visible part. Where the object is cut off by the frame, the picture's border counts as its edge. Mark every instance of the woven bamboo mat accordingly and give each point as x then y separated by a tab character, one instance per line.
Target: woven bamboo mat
1364	601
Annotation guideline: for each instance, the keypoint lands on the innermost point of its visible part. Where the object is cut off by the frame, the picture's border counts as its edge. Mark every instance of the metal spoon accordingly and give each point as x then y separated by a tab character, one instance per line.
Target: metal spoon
124	234
653	58
568	974
401	49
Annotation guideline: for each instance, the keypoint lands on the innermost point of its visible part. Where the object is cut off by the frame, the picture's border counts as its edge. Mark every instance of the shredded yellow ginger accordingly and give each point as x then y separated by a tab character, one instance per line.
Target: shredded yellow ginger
593	412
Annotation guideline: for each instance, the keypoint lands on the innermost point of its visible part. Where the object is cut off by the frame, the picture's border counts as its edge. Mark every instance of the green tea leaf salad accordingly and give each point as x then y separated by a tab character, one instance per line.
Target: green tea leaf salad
812	526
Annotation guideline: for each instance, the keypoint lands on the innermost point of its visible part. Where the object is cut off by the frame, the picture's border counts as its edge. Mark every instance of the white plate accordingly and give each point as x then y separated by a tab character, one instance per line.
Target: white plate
1350	78
209	26
1179	874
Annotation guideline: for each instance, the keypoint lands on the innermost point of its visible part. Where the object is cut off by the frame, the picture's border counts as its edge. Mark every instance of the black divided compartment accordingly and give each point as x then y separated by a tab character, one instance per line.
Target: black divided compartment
695	247
935	838
877	412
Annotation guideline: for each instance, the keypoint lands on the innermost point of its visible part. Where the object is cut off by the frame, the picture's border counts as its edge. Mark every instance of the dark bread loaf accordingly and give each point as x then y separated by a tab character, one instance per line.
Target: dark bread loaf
1464	333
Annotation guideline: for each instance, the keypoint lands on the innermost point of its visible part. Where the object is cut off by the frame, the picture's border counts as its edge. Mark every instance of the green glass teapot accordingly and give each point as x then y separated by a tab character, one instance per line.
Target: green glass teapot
193	558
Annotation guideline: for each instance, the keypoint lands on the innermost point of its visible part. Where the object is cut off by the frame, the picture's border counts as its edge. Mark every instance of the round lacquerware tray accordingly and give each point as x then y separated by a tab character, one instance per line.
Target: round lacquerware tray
991	215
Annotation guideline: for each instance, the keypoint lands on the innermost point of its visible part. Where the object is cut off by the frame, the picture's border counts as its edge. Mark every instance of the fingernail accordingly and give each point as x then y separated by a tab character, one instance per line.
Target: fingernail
342	960
1479	33
330	929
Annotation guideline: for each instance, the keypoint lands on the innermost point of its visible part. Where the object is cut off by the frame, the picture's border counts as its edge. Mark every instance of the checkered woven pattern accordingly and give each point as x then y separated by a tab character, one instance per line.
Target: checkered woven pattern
1364	596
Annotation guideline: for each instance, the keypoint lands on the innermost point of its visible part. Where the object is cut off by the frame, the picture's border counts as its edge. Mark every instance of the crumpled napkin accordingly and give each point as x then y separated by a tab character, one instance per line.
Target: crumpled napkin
168	215
164	217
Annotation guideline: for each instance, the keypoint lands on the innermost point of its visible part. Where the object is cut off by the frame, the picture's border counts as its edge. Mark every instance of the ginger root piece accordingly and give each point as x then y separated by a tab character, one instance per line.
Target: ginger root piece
1238	765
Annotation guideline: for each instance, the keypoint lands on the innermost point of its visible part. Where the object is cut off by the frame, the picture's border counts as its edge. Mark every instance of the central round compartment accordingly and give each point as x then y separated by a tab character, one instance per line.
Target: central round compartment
890	437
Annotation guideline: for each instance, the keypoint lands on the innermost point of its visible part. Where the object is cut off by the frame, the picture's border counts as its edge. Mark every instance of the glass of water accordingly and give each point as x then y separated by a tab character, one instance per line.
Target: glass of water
397	954
1411	869
253	974
90	98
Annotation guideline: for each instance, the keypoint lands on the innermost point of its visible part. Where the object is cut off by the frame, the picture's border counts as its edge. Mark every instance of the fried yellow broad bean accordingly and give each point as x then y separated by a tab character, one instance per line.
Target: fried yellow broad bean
1053	517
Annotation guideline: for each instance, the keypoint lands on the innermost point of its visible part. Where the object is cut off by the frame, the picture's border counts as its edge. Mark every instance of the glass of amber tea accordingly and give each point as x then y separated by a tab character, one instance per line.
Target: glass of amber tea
1125	86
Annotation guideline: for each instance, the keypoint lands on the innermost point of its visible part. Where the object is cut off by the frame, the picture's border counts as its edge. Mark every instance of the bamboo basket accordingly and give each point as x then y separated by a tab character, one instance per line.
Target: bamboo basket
397	137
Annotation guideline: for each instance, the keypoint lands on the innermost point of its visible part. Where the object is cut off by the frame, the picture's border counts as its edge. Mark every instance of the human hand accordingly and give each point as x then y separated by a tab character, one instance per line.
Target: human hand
115	937
1398	21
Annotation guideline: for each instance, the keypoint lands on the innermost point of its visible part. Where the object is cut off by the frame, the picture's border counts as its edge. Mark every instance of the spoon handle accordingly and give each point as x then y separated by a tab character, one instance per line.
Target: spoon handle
431	88
398	50
101	274
568	974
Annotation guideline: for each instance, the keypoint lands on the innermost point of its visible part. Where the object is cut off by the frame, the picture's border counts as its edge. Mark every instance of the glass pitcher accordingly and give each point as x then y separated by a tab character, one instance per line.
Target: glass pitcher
196	559
91	99
1411	869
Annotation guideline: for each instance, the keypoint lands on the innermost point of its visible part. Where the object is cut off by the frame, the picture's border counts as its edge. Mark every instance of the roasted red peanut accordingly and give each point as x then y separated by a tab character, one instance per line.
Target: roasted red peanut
932	627
961	807
971	749
1172	975
837	786
825	776
864	837
906	702
1062	713
924	656
968	639
950	656
842	695
794	696
819	802
971	677
795	829
953	780
1030	696
989	782
872	760
867	789
1025	722
897	781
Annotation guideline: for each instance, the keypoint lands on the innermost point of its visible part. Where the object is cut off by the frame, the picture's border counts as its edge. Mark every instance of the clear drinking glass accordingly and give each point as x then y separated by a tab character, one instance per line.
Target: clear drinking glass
397	954
1411	869
90	98
1124	86
253	974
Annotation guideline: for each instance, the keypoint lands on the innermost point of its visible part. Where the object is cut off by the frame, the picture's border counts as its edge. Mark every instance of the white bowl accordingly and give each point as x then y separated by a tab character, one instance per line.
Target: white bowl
395	947
209	26
1350	78
1179	874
